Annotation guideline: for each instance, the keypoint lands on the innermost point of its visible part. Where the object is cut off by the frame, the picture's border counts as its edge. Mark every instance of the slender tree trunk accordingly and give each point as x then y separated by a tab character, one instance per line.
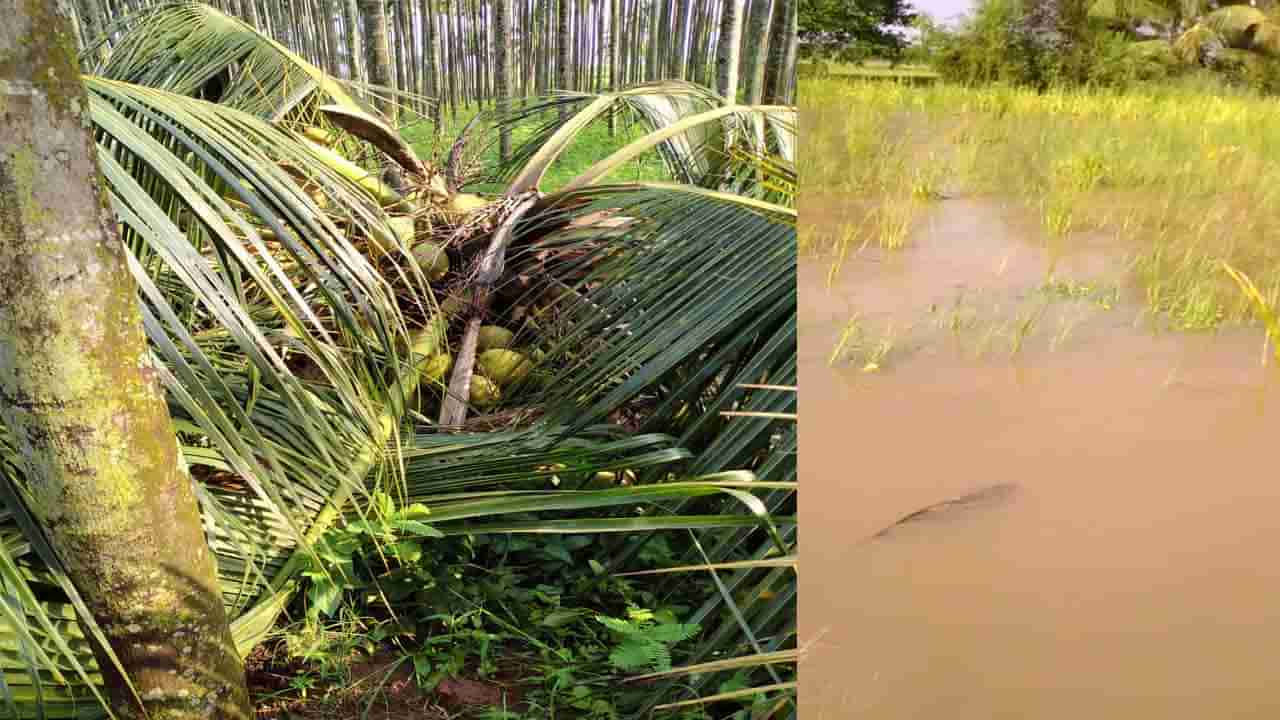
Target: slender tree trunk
305	28
83	402
598	57
351	18
684	33
652	66
454	70
502	74
757	49
331	29
265	17
615	57
730	49
284	31
563	40
431	40
663	57
788	70
776	80
541	64
404	75
582	51
477	68
709	45
633	43
375	32
529	36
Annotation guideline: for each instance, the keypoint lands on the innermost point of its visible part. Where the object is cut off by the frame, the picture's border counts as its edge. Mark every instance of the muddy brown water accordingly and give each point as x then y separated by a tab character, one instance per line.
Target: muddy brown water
1134	573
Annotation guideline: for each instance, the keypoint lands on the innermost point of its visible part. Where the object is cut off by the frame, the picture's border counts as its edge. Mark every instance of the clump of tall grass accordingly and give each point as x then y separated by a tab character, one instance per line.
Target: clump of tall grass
858	347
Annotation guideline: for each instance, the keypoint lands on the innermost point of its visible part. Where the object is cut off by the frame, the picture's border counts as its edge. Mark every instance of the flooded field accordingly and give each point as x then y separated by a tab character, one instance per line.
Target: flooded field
1117	559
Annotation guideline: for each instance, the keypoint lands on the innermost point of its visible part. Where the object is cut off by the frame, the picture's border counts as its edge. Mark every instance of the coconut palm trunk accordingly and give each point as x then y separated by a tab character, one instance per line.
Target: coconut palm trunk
379	54
80	396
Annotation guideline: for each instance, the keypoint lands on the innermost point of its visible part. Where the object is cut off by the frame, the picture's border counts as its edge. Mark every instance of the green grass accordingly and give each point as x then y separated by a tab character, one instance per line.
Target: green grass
1183	180
592	145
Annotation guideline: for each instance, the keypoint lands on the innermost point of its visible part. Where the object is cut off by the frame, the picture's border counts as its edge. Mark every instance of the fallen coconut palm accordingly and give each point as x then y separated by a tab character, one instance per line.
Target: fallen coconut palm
290	352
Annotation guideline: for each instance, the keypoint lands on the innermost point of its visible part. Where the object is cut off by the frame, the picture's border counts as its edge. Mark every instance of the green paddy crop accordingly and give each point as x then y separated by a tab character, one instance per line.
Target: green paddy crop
1183	180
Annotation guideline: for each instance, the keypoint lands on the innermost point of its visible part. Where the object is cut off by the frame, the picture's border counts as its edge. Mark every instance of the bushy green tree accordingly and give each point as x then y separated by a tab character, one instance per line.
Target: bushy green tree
871	26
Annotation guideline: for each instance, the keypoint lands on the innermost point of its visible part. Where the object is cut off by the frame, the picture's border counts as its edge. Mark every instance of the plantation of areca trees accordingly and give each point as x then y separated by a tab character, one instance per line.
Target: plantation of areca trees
532	441
451	50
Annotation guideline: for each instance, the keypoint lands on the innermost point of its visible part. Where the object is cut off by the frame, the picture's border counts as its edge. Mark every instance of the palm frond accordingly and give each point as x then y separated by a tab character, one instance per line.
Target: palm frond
194	49
692	130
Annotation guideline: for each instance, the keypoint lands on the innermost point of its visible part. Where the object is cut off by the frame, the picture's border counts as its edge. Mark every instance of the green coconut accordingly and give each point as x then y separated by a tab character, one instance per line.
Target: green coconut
435	368
493	336
463	204
485	393
503	366
432	258
319	135
380	191
455	304
402	226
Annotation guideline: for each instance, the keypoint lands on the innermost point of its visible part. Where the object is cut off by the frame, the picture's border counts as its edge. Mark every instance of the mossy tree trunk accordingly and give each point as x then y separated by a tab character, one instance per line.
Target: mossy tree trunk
83	402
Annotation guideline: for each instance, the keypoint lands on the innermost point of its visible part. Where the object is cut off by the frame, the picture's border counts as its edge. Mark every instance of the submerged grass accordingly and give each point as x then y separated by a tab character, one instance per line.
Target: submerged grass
1185	180
861	348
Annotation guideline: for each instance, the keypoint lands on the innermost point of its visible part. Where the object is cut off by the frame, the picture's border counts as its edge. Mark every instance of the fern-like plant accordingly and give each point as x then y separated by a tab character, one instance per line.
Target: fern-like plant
645	640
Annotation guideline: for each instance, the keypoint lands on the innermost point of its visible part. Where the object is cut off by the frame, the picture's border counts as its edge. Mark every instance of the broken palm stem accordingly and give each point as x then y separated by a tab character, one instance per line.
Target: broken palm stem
453	411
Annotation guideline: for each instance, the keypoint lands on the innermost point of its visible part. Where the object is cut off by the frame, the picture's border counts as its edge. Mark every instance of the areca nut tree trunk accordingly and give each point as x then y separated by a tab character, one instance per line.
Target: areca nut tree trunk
375	33
775	77
83	403
502	71
760	20
330	19
563	38
729	53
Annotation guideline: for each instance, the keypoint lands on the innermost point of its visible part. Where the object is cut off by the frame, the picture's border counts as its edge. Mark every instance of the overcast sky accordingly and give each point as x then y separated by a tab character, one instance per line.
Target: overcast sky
942	10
